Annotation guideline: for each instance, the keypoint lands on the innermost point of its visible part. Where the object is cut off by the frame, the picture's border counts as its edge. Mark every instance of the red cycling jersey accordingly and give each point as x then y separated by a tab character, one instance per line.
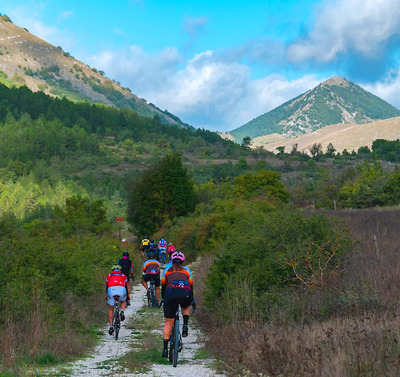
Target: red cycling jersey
116	279
171	249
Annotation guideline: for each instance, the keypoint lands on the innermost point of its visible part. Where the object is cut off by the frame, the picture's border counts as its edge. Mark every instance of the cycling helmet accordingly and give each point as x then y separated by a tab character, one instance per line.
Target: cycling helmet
116	267
151	255
152	240
123	240
170	244
178	257
125	254
145	237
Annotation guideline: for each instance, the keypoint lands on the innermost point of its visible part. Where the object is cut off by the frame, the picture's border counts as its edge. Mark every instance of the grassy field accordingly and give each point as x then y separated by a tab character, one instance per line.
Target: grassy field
348	328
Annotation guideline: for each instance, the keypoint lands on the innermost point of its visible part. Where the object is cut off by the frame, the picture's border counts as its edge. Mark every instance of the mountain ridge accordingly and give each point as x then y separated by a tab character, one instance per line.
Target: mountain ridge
25	59
334	101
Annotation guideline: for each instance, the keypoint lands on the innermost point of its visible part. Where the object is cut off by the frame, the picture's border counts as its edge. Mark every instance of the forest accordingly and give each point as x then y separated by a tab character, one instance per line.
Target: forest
280	280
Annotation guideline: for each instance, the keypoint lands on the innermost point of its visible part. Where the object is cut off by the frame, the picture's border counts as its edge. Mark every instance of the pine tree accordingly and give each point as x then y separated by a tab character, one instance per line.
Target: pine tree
164	191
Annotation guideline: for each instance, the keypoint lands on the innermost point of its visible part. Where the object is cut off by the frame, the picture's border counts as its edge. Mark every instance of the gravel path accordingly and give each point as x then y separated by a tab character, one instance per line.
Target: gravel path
104	360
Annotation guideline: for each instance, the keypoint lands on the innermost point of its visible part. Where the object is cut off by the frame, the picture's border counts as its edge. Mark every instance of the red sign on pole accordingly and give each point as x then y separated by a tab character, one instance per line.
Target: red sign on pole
119	219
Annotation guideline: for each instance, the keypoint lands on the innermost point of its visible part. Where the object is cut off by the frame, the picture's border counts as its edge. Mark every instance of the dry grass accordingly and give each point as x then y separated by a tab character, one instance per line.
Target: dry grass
350	328
342	136
33	332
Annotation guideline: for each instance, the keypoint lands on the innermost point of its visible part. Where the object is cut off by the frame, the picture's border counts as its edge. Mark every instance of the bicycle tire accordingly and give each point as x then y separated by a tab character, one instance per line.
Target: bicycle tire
176	344
171	344
153	297
116	321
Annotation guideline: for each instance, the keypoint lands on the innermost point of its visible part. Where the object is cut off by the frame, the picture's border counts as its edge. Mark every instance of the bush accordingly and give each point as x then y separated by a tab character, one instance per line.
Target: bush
267	250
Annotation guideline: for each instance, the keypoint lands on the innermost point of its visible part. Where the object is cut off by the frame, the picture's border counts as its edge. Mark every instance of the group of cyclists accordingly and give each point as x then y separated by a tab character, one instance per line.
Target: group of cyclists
176	283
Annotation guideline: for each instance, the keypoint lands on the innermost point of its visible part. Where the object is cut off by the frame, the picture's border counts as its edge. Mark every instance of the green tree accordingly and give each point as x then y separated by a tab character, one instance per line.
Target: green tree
281	150
263	182
316	150
330	150
246	142
164	191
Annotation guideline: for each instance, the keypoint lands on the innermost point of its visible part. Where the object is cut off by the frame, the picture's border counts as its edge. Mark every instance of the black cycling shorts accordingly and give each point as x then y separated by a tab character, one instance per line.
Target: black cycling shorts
148	277
174	297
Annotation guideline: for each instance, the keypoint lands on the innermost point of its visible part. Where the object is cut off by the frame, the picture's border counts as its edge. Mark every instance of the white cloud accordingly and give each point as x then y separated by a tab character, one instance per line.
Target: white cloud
65	15
192	25
342	26
28	17
387	89
142	72
205	91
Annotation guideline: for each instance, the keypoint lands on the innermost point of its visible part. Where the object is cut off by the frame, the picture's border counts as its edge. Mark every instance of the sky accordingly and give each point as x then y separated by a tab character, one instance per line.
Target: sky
218	64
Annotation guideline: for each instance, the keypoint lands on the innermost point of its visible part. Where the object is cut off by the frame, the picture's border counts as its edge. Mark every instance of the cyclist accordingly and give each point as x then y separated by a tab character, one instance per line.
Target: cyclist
162	247
153	248
177	289
144	245
115	286
151	270
170	249
127	270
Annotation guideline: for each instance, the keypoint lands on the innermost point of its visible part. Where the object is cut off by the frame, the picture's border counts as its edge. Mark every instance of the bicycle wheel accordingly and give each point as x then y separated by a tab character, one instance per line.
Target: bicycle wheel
149	298
153	297
176	344
172	344
116	320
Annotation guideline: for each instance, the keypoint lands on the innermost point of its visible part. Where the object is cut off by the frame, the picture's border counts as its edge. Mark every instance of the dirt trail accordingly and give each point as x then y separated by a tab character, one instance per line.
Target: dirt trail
104	360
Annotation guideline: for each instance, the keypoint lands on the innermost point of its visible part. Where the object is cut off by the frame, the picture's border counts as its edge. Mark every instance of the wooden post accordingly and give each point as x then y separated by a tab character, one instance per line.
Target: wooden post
376	244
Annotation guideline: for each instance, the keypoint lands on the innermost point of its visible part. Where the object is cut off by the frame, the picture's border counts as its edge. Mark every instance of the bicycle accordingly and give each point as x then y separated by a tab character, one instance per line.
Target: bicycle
116	319
175	346
162	255
151	295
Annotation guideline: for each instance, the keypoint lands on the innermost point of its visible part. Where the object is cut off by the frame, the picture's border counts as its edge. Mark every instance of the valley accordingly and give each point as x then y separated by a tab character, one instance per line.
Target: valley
292	234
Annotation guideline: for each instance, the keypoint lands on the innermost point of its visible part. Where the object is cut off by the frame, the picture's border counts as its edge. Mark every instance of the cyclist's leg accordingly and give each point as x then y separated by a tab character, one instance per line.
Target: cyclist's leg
170	307
110	304
110	314
158	293
128	290
185	307
144	283
122	299
157	283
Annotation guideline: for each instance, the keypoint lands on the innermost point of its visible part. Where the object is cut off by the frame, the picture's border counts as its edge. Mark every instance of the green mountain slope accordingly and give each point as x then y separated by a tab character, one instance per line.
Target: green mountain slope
334	101
52	148
28	60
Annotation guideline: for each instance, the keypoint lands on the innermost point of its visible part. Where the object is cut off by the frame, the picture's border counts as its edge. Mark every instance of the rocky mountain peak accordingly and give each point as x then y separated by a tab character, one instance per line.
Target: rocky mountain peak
337	80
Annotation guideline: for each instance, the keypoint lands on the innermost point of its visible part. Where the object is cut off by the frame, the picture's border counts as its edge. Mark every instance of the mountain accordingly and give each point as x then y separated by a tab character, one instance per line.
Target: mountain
331	102
341	136
28	60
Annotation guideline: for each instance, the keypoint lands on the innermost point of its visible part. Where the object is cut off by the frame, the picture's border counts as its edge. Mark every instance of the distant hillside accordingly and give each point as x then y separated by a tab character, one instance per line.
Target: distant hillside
334	101
342	136
28	60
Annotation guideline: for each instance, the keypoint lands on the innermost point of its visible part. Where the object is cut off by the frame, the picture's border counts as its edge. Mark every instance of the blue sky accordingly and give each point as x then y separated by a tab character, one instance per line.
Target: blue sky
220	63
